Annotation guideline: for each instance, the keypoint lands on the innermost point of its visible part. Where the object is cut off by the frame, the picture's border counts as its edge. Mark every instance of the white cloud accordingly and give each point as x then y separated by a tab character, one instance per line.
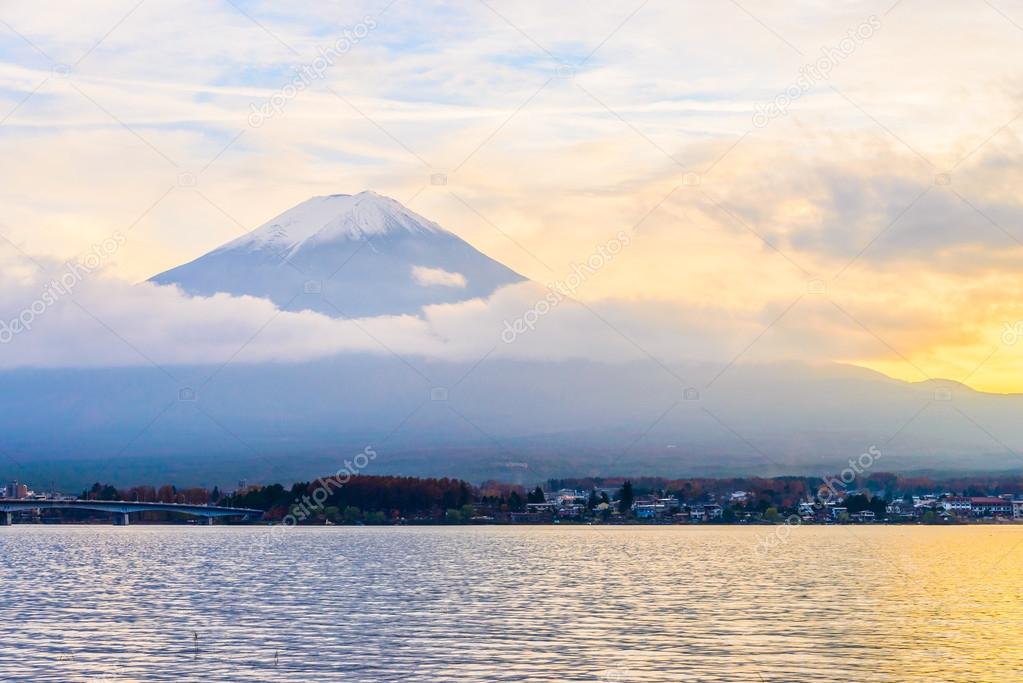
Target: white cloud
437	277
111	323
106	322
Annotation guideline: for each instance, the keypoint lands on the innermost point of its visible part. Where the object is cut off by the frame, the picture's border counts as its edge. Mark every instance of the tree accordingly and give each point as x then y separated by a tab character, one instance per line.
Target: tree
536	496
102	492
857	503
215	496
625	497
771	515
464	494
879	506
592	501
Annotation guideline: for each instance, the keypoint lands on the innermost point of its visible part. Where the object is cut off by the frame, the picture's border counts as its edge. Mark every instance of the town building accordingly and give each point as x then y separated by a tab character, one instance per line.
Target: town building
958	505
705	512
15	489
991	507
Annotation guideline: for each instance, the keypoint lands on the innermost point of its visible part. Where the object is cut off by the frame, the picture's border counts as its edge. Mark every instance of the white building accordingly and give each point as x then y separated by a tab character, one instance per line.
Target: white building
957	504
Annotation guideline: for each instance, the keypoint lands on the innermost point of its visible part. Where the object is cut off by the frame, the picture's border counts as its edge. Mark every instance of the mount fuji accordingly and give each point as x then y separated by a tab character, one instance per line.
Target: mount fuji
348	256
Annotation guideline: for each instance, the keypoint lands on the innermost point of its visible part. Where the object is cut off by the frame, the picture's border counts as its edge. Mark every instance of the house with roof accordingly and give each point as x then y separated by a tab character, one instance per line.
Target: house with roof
991	507
705	512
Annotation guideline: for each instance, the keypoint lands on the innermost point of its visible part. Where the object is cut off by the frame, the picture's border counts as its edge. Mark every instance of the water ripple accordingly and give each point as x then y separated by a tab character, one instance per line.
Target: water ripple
644	604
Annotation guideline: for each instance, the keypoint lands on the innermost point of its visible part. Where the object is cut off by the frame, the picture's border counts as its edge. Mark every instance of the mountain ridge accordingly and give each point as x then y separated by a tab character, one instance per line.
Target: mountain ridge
559	417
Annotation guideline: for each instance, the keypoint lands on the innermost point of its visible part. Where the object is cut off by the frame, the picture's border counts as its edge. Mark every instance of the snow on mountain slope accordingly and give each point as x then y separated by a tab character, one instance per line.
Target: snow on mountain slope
346	256
337	216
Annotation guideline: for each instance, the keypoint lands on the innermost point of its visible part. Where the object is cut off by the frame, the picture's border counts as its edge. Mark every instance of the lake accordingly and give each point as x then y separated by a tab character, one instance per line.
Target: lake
529	603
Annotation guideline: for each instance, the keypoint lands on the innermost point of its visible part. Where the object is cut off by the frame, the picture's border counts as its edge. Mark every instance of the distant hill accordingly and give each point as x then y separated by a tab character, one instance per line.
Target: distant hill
516	421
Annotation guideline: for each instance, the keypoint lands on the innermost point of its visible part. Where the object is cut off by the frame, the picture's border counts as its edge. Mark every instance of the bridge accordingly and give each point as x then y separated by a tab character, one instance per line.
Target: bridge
119	509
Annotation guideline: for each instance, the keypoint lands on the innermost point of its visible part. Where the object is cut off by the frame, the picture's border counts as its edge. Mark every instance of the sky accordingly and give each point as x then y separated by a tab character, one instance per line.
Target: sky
819	181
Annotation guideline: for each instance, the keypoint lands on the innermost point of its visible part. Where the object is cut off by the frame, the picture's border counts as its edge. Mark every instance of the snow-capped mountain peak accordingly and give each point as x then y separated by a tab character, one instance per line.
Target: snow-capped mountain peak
346	255
337	216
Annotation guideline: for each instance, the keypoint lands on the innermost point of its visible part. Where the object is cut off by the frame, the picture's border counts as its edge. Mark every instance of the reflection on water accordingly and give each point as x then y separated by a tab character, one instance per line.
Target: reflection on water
511	604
